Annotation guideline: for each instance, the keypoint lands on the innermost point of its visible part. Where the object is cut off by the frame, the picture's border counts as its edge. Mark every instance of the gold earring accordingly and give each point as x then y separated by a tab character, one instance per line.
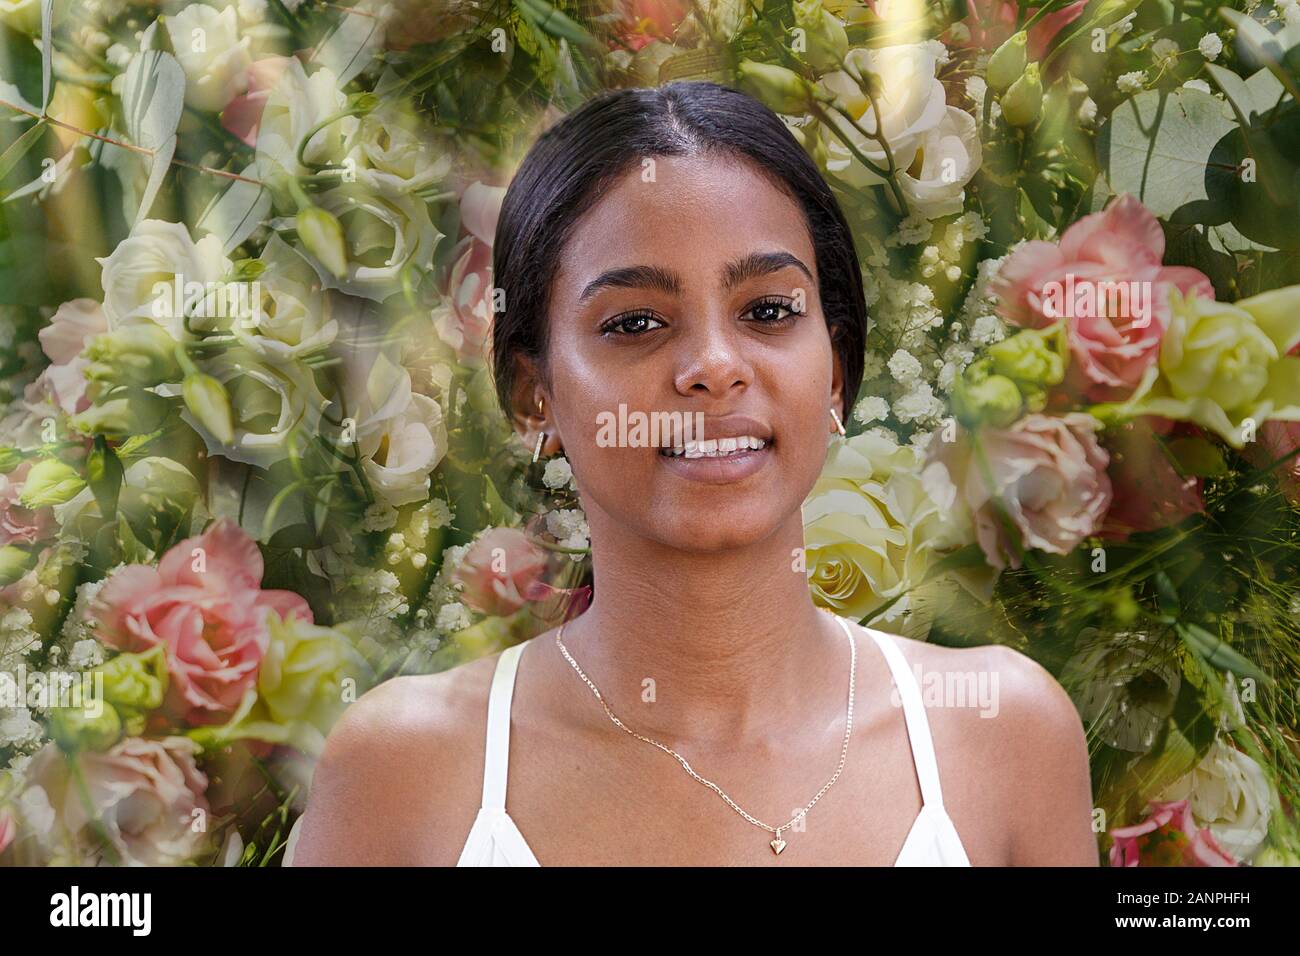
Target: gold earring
538	450
839	425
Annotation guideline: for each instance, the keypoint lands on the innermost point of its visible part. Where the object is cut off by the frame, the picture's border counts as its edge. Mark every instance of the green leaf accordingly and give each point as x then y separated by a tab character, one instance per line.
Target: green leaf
499	513
1218	653
1196	456
47	50
1158	146
104	473
237	212
546	18
20	147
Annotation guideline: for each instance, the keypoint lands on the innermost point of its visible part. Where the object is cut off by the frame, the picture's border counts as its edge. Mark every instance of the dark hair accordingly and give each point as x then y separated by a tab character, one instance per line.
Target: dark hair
572	163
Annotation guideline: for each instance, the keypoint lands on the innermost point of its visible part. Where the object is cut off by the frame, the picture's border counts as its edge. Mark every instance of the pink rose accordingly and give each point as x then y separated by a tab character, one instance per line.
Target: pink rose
650	20
465	321
145	794
1148	491
498	571
1049	473
8	829
1277	438
1168	837
1113	258
71	328
992	21
242	116
19	525
204	603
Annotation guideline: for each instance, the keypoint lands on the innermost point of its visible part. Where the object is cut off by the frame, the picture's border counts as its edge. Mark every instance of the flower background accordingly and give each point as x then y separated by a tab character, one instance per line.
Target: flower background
252	463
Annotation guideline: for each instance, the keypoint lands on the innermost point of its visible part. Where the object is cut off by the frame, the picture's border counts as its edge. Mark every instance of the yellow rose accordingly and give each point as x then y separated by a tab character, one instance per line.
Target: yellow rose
1225	365
309	675
871	528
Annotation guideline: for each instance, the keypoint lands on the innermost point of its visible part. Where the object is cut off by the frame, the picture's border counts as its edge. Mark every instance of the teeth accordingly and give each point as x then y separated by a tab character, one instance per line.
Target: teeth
716	447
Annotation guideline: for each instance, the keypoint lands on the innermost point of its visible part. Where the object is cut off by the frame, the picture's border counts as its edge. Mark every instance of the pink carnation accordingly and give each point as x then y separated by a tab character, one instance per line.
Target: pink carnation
1149	493
992	21
499	571
1118	335
19	525
205	604
145	795
1169	836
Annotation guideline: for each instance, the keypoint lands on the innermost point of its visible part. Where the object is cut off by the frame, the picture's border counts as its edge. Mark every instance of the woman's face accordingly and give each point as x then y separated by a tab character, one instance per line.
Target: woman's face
691	287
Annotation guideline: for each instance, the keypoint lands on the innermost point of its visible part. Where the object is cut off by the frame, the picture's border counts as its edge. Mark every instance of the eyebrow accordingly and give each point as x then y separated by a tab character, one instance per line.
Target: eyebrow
665	280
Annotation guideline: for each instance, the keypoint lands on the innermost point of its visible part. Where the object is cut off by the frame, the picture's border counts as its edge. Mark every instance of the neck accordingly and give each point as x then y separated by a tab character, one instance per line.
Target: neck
731	639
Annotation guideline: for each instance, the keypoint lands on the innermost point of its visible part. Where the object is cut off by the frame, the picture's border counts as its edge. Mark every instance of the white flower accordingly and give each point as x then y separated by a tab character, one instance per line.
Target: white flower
252	11
85	654
910	100
569	525
1230	793
1087	112
1123	25
295	105
558	473
905	367
153	253
294	316
918	404
1210	46
452	617
37	814
118	55
398	457
1132	82
212	53
17	729
1164	49
950	157
275	409
870	409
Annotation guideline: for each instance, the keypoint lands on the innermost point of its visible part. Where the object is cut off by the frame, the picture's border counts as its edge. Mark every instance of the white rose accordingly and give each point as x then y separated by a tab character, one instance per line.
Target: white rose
1230	793
397	150
398	458
274	409
295	316
385	229
294	107
212	54
911	102
154	252
951	156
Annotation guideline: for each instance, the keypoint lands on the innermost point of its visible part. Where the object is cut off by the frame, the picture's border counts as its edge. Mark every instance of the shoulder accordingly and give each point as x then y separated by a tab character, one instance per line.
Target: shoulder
407	754
1017	745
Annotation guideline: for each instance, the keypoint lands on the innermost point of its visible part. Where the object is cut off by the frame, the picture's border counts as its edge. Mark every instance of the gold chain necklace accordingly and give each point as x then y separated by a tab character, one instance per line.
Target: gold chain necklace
777	844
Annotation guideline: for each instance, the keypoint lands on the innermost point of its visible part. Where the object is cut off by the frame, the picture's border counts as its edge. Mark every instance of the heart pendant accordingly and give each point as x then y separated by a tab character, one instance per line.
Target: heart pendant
778	845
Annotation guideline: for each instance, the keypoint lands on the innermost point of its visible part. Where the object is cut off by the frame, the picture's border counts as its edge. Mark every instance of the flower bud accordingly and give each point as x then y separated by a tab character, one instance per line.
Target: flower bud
1007	62
73	728
1033	358
784	91
983	398
142	355
136	682
828	42
322	234
50	482
136	413
14	563
207	400
1022	103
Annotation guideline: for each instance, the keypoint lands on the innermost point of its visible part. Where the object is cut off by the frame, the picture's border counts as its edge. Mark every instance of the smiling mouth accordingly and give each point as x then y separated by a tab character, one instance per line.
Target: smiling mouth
717	447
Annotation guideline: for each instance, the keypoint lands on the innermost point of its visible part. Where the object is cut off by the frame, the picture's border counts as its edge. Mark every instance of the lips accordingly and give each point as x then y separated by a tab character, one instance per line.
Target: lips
730	450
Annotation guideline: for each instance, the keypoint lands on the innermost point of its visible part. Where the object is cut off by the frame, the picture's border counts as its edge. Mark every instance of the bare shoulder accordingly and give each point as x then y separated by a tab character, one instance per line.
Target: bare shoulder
400	777
1010	742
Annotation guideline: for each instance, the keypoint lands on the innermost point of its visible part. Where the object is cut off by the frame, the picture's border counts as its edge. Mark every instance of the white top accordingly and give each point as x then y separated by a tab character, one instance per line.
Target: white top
494	840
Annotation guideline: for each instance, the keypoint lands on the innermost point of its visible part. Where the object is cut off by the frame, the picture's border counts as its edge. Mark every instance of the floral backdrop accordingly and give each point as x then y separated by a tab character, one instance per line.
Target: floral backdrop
252	464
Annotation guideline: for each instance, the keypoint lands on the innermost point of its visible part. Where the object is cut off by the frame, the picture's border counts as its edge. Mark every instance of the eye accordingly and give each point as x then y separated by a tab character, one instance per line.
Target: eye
633	323
774	311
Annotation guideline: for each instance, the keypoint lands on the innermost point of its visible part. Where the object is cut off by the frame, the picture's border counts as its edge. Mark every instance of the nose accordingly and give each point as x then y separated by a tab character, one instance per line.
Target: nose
713	359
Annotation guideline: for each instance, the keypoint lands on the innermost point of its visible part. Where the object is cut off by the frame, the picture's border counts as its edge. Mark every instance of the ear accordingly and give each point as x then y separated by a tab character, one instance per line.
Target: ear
526	392
837	377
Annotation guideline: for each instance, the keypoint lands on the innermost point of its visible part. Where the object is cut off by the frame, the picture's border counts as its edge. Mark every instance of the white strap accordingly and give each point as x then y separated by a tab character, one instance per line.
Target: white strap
918	724
496	751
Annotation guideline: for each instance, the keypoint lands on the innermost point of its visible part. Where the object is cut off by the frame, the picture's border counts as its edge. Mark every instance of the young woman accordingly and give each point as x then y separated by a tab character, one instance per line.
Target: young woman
674	250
